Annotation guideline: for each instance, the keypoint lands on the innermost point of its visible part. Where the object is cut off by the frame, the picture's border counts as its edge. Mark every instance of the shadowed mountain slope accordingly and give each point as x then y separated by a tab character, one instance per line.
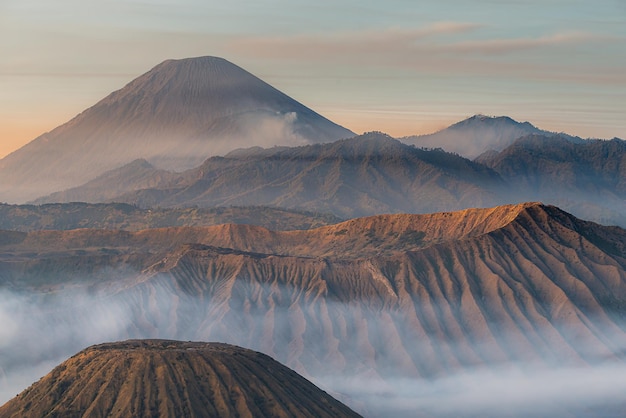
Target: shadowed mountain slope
138	174
539	162
586	177
175	116
373	174
160	378
365	175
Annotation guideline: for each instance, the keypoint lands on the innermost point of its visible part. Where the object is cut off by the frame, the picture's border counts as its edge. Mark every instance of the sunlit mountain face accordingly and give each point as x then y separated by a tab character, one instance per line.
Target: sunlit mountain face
392	311
173	379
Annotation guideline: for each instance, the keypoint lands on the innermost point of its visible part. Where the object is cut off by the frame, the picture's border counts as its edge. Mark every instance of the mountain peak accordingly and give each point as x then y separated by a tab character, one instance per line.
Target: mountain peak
192	60
476	135
175	116
207	80
480	119
203	62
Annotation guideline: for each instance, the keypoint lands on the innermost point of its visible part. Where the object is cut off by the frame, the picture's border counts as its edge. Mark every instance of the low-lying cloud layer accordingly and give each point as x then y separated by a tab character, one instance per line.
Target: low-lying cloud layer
41	330
37	334
515	390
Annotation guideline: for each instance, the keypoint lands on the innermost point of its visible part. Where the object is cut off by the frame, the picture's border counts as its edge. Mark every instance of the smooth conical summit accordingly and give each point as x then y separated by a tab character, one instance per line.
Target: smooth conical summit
175	116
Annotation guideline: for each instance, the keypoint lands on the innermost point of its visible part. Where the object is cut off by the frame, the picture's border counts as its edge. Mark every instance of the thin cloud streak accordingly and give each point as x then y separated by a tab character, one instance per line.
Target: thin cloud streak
501	46
371	43
366	42
68	74
424	51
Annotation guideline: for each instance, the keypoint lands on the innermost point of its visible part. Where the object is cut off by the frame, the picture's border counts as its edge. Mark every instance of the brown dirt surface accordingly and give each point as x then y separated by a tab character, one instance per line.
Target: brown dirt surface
163	378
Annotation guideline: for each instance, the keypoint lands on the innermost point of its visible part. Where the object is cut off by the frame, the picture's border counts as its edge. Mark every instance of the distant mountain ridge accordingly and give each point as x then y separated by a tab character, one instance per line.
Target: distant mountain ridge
369	174
543	161
136	175
175	116
478	134
587	177
374	173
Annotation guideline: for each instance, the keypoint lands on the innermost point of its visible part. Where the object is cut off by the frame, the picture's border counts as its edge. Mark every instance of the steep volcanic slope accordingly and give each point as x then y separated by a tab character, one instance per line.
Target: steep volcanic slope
543	287
587	178
175	116
476	135
381	299
366	175
161	378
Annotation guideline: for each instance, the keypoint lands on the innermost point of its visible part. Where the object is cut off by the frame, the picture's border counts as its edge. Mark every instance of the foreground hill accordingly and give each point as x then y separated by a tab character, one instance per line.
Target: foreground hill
360	176
175	116
160	378
394	300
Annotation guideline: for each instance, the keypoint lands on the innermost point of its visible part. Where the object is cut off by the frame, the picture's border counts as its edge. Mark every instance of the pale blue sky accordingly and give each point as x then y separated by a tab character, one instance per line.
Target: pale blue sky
402	67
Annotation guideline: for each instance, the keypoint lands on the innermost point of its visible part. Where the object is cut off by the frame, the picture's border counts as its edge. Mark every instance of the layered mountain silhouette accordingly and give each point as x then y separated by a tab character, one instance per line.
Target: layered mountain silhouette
377	299
476	135
161	378
586	177
213	214
365	175
373	174
175	116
